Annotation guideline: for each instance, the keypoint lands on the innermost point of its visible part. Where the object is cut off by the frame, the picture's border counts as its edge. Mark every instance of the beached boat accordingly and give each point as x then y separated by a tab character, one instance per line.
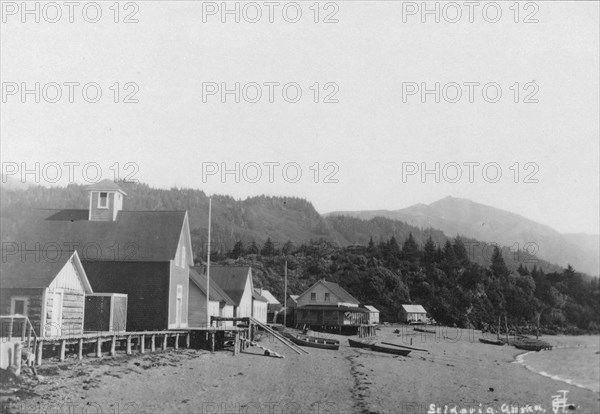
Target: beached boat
313	341
354	343
491	341
379	347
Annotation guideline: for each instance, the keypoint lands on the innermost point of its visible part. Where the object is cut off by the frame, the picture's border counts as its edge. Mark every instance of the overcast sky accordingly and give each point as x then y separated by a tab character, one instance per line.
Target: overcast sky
368	137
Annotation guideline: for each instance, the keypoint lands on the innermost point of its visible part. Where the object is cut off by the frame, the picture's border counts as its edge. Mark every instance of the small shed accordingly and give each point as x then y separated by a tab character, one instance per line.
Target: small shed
373	315
414	314
50	293
105	312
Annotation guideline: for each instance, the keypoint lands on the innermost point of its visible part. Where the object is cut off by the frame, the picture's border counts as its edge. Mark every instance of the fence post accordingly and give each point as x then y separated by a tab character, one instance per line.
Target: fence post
63	348
40	348
80	349
17	358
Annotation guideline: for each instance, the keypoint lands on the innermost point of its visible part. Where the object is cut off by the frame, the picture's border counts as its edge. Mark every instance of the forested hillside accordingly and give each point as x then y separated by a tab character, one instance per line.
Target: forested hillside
254	219
453	289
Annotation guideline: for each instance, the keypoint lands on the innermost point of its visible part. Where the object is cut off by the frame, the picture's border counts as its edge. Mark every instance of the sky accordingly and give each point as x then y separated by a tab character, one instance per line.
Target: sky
357	137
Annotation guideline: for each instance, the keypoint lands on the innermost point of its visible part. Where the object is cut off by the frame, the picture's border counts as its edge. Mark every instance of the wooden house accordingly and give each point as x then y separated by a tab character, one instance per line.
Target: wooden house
220	304
373	314
51	293
237	283
327	306
413	314
273	305
259	307
144	254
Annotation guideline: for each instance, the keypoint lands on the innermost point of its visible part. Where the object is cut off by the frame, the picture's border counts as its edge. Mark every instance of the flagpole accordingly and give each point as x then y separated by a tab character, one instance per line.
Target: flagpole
208	265
285	297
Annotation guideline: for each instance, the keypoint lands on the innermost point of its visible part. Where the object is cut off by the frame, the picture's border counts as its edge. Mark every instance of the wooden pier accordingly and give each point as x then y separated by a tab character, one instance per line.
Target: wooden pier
140	341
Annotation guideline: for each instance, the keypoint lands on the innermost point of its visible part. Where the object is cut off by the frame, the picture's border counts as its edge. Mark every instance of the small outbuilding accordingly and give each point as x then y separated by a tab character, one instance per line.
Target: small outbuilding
413	314
373	315
51	293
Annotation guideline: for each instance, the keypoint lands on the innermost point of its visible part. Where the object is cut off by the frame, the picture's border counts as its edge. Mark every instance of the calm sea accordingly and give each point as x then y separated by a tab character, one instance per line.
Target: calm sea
574	360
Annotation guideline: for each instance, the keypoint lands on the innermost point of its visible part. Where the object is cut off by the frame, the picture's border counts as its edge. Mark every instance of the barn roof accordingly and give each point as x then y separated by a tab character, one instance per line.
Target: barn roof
31	272
414	309
146	236
232	279
216	293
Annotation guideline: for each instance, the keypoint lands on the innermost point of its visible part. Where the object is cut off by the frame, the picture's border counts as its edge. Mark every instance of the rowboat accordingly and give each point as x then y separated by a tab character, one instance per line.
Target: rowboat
491	341
379	347
314	342
360	344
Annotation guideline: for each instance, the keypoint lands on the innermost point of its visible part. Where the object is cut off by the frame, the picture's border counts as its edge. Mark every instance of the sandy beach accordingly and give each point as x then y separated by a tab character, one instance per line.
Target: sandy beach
458	373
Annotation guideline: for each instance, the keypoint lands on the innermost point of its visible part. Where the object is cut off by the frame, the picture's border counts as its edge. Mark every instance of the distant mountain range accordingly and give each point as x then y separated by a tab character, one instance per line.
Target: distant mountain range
458	216
285	219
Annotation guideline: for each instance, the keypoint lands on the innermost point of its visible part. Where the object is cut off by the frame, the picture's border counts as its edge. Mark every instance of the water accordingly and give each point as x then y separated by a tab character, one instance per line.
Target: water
574	360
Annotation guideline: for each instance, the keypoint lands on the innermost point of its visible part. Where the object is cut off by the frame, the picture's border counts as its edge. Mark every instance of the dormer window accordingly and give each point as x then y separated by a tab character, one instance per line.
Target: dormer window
103	200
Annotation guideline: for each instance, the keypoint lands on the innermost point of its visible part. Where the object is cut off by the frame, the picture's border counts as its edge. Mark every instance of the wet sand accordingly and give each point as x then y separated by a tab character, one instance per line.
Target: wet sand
455	373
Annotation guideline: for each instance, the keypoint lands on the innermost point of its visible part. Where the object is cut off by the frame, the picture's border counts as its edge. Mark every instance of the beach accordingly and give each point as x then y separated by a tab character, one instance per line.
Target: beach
457	372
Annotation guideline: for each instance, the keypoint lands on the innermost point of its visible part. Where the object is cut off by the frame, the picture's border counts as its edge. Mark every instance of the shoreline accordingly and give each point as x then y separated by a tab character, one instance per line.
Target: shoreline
520	359
458	374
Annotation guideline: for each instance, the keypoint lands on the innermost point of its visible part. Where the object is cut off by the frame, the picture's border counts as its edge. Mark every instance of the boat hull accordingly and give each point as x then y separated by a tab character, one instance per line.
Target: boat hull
314	342
359	344
491	342
389	350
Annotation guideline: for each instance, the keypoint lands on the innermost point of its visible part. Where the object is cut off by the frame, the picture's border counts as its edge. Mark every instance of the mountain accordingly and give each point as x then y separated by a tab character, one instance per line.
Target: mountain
458	216
252	220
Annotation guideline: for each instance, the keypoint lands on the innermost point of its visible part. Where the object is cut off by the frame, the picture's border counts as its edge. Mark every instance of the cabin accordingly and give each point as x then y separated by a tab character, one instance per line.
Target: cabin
373	315
50	293
236	282
273	305
220	304
413	314
327	306
143	254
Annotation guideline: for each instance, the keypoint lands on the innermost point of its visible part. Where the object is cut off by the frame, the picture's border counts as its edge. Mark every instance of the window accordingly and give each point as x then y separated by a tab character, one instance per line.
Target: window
313	296
326	297
18	306
103	200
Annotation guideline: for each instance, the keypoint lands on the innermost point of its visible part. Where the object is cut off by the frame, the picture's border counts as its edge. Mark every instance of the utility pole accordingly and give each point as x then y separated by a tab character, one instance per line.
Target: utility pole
208	265
285	296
